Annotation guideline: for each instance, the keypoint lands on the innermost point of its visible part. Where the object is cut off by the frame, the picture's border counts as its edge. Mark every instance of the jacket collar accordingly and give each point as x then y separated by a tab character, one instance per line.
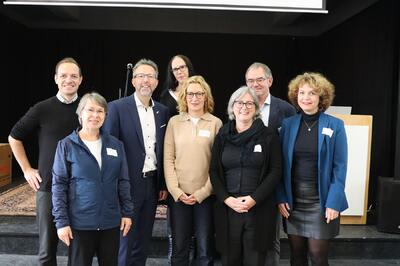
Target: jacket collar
185	117
75	136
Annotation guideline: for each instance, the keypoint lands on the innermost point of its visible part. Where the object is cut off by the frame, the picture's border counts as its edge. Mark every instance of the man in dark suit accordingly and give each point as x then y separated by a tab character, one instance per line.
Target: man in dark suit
273	111
140	123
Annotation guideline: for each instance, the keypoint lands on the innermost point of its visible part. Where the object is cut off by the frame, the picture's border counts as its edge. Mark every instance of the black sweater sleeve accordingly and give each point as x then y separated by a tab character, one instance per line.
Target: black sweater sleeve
272	170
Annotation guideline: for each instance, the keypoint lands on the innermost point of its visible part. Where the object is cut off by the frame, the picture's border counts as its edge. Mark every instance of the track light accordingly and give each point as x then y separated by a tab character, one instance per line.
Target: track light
304	6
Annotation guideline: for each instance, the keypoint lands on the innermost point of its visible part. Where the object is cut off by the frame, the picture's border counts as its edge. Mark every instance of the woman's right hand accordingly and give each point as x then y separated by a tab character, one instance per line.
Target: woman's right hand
126	224
284	209
188	200
65	234
236	204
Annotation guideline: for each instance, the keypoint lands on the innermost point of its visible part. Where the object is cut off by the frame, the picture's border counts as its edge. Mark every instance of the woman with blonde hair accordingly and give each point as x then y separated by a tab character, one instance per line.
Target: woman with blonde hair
187	153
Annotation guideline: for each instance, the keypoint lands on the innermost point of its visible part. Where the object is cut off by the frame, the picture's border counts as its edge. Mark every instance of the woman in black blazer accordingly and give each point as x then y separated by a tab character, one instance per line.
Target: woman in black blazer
245	168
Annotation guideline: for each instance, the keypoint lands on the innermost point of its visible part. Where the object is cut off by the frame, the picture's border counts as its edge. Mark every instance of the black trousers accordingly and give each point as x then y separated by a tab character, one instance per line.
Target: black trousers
189	220
273	254
87	243
48	238
240	248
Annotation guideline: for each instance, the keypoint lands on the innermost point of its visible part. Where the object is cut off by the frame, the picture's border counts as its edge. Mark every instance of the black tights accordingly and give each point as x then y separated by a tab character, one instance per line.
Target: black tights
301	246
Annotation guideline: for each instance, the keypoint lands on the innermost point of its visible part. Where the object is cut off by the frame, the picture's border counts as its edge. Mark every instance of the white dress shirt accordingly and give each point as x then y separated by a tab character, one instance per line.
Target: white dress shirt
265	110
148	124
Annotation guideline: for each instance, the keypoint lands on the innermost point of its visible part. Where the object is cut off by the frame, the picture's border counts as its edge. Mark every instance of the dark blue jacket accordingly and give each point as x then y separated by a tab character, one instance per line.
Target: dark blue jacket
86	197
332	161
123	122
278	111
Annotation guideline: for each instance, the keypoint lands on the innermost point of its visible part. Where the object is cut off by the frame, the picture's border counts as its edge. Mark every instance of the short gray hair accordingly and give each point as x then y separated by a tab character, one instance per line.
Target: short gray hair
255	65
237	95
145	61
94	97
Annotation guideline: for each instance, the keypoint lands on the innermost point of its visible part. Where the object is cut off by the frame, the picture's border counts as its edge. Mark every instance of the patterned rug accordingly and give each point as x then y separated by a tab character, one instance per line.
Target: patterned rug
20	201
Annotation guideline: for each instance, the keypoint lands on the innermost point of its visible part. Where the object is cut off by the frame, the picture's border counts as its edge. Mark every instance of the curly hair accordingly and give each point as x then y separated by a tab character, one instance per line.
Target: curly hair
208	98
321	85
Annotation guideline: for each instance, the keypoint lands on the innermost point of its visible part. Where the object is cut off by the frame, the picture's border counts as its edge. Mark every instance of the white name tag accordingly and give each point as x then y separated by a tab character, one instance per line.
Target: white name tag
257	148
327	131
111	152
204	133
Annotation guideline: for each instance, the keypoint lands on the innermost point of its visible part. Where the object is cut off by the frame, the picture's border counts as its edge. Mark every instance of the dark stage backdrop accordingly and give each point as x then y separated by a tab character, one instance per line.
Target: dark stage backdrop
360	57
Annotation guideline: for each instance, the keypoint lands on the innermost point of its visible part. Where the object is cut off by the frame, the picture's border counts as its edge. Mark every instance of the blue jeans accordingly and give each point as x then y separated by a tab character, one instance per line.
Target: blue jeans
184	219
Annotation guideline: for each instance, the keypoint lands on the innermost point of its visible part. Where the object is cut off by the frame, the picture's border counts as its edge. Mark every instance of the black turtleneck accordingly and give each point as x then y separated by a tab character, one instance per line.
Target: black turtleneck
305	156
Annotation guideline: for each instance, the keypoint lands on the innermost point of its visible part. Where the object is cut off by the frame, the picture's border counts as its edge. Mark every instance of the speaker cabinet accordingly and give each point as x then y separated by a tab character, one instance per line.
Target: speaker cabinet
388	205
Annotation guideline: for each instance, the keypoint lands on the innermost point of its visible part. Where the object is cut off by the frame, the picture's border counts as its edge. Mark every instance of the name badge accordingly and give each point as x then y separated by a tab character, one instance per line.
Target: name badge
204	133
327	131
257	148
112	152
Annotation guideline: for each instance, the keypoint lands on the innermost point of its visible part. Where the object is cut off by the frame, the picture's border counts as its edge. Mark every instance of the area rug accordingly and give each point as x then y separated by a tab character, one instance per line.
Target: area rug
20	201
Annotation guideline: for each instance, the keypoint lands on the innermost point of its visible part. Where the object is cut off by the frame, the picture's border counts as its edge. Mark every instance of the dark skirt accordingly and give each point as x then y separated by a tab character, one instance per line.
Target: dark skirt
306	218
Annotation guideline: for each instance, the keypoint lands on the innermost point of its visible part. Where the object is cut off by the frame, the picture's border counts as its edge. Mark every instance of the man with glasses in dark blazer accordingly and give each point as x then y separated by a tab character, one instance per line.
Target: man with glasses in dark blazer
273	111
140	123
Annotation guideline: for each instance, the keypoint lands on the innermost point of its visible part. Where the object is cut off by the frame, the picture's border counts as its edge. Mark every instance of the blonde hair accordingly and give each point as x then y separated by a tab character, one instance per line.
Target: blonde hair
208	98
321	85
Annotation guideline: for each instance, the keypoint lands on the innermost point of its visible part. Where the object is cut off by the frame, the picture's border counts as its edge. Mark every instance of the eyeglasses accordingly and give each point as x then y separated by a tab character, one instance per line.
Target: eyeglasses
93	111
181	68
143	76
240	104
258	80
198	95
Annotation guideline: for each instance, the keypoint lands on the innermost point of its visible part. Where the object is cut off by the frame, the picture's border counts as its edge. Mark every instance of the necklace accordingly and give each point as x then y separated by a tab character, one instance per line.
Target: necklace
308	126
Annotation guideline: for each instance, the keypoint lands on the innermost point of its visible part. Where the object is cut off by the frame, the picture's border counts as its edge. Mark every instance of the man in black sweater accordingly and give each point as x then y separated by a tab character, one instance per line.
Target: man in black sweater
52	119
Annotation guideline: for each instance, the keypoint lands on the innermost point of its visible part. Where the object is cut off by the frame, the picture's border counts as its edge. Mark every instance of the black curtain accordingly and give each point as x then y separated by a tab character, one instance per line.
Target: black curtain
360	57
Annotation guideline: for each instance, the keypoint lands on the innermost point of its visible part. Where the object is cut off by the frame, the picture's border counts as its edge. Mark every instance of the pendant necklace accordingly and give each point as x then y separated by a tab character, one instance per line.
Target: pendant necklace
308	126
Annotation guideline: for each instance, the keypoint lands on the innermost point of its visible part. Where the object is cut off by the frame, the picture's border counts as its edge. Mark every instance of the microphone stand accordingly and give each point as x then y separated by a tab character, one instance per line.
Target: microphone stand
128	70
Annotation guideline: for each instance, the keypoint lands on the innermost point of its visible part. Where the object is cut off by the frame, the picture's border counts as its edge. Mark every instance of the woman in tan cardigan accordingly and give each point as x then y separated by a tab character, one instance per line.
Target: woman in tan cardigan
187	152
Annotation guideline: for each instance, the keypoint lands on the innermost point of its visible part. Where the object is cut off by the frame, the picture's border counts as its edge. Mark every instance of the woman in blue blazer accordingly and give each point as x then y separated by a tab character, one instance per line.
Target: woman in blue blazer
311	194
